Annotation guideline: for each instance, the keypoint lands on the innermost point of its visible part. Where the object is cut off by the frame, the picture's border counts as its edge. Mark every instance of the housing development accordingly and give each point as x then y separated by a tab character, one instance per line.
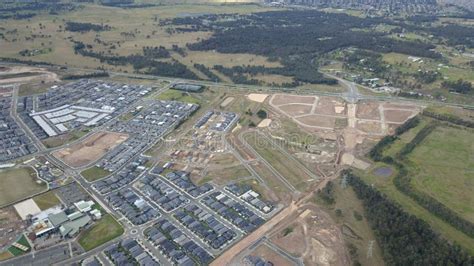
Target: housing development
254	132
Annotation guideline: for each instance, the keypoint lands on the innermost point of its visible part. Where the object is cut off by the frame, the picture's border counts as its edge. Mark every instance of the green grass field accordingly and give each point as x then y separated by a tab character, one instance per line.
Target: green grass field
223	176
174	95
103	231
443	167
46	200
94	173
16	251
440	166
17	184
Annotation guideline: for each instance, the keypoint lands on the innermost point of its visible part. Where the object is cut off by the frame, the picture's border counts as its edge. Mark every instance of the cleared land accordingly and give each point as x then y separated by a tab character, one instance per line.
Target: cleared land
355	227
17	184
90	150
103	231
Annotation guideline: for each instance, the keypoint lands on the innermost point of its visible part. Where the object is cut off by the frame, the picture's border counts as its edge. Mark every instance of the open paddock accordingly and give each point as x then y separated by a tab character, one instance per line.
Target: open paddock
90	150
17	184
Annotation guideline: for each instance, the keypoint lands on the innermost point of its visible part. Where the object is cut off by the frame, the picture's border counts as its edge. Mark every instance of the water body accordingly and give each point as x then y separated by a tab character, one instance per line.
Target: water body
383	171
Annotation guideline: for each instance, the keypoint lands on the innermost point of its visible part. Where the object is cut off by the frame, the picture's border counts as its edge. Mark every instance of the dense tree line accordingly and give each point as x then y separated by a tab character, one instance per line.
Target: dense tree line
327	193
206	71
301	72
376	153
427	77
285	33
296	38
366	60
156	52
449	118
141	63
23	6
101	74
459	86
404	238
237	77
420	136
85	27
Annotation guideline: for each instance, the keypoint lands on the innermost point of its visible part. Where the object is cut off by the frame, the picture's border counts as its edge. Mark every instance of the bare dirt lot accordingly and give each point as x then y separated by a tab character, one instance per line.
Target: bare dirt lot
279	99
291	239
397	116
260	98
368	110
90	150
327	106
369	127
318	121
296	109
20	74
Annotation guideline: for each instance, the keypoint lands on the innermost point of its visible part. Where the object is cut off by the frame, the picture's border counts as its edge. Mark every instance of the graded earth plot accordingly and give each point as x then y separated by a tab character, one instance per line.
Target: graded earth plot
22	74
320	113
90	149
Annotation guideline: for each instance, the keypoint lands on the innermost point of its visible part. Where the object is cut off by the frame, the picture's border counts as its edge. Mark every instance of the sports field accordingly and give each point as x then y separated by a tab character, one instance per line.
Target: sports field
103	231
17	184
